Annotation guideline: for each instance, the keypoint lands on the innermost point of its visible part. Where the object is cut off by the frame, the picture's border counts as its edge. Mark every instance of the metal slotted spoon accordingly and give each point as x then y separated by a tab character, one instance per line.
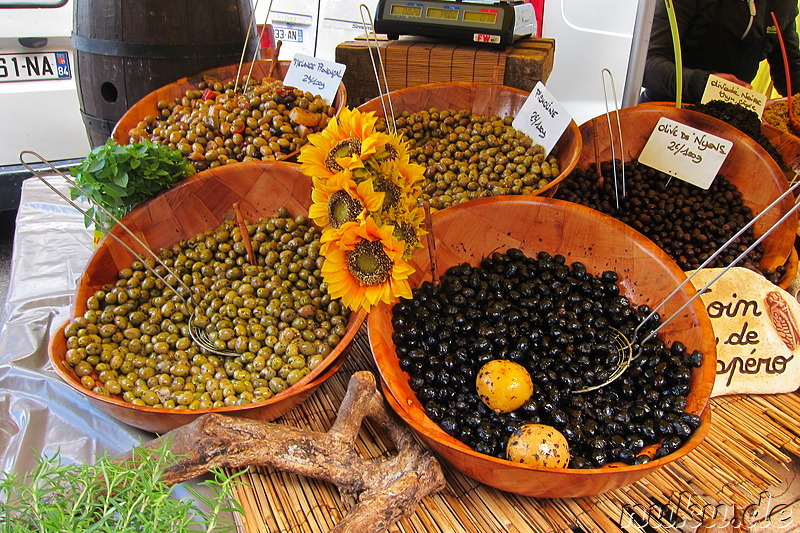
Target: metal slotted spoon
197	333
625	346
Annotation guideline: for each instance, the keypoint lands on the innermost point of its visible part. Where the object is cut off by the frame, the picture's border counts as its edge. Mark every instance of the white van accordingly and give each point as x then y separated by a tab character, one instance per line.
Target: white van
38	96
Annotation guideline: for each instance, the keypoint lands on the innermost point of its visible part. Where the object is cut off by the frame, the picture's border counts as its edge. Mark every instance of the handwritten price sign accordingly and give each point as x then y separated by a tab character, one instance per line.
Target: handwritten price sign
721	89
316	76
685	152
542	118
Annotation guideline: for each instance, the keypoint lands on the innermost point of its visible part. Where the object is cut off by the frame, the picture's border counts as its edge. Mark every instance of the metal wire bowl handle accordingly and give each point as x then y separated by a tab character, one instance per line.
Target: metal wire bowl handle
197	333
625	346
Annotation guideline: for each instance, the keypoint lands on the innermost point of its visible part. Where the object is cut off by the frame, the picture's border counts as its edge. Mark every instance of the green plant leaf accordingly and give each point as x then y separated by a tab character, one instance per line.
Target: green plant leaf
119	177
108	497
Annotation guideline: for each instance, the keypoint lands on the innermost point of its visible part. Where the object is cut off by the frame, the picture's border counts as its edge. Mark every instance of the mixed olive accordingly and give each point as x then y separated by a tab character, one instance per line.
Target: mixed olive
470	156
218	124
777	114
555	320
134	341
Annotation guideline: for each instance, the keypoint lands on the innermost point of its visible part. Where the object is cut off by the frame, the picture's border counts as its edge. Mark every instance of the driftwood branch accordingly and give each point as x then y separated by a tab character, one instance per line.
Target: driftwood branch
385	489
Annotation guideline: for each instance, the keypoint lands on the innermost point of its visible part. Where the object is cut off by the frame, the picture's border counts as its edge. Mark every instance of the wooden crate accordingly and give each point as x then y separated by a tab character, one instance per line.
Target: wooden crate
412	61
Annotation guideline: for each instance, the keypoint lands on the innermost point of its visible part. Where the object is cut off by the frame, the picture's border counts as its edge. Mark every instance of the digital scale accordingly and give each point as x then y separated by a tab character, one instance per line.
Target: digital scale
482	22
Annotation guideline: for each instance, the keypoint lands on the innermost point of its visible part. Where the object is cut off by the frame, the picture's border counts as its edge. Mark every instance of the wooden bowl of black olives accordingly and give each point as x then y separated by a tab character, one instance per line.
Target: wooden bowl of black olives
129	347
688	222
502	361
212	119
461	132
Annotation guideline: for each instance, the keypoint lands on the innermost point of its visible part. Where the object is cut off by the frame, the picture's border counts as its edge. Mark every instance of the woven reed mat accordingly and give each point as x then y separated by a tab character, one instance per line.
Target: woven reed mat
732	469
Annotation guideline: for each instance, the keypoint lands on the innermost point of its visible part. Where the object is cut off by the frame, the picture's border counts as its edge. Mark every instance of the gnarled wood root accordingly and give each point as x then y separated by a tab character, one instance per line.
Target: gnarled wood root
385	489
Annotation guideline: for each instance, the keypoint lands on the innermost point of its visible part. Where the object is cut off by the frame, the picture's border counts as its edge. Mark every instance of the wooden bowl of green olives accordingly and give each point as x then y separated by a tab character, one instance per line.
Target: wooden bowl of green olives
128	347
211	123
542	286
461	132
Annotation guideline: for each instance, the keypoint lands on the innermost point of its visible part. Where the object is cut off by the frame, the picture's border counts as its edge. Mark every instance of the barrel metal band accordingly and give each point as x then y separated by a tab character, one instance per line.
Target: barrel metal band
156	50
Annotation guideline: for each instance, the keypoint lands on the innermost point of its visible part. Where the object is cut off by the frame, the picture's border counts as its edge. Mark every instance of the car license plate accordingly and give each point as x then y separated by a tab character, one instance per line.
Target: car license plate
294	35
35	66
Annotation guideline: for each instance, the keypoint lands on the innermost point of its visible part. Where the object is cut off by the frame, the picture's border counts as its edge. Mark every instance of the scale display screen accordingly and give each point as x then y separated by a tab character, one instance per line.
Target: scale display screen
485	17
498	22
445	14
406	11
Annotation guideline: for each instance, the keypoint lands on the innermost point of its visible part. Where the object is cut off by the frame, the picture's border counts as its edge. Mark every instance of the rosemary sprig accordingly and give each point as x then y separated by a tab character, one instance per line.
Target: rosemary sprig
110	497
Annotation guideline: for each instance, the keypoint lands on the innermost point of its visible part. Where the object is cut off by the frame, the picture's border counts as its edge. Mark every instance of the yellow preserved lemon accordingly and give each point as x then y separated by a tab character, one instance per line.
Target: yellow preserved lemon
538	445
503	385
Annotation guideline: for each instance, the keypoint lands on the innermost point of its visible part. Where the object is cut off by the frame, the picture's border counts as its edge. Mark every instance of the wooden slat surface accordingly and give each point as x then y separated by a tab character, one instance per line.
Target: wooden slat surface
725	470
412	61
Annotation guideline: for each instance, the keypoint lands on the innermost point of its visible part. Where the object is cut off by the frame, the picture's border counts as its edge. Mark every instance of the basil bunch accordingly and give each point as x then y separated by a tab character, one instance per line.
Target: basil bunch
120	177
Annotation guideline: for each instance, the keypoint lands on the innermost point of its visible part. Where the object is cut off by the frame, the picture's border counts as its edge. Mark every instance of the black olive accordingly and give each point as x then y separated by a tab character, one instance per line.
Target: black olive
450	425
553	319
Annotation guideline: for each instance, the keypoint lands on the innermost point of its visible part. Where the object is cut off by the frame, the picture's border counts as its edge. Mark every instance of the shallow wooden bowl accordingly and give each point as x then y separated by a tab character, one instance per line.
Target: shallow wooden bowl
198	204
533	224
482	99
149	104
748	166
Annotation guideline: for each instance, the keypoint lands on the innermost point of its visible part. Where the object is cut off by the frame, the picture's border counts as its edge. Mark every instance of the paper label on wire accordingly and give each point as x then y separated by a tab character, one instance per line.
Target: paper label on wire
721	89
317	76
542	118
684	152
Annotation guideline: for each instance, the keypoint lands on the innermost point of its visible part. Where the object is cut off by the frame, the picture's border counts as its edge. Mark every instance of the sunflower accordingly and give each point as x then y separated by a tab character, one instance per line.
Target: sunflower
391	148
364	265
389	181
412	174
339	199
410	228
344	144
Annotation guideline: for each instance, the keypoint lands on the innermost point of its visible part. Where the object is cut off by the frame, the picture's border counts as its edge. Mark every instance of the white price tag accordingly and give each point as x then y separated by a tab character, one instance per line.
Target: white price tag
721	89
685	152
542	118
317	76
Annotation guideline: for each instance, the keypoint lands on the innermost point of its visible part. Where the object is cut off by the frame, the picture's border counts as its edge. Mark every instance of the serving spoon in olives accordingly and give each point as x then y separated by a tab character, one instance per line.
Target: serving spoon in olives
196	332
626	346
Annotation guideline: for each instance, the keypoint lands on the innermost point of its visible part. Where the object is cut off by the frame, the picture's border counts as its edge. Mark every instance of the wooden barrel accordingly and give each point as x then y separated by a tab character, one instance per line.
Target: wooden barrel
126	49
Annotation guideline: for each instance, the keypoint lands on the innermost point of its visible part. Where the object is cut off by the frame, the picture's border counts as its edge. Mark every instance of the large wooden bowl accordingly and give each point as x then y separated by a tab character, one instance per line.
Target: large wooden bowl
482	99
149	104
748	166
647	276
196	205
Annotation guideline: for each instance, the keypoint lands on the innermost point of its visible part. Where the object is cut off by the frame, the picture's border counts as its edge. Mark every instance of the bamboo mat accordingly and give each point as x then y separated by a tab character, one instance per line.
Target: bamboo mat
733	468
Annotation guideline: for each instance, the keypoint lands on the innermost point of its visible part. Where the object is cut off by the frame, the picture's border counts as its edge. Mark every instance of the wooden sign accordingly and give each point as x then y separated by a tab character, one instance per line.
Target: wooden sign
757	330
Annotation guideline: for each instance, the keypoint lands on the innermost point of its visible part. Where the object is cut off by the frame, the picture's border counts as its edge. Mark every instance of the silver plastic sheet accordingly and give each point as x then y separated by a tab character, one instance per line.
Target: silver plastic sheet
39	413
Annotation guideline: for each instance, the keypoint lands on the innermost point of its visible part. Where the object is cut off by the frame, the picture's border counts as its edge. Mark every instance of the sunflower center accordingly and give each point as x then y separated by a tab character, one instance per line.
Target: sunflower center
343	148
343	208
404	231
391	152
392	191
368	263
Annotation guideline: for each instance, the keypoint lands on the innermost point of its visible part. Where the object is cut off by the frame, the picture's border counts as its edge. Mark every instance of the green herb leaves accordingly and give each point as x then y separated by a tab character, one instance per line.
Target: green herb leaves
112	497
119	177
